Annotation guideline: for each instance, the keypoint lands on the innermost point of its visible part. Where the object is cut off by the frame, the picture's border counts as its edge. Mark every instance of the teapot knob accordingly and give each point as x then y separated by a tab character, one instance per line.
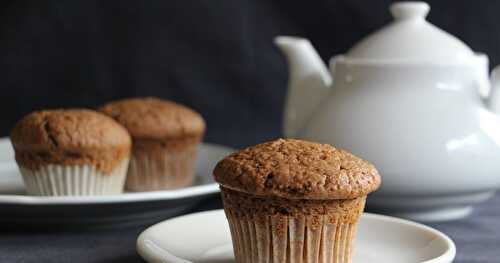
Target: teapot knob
409	10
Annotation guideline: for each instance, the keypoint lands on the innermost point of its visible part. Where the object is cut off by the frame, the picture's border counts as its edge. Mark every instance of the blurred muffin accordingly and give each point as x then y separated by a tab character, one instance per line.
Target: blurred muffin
71	152
165	138
292	199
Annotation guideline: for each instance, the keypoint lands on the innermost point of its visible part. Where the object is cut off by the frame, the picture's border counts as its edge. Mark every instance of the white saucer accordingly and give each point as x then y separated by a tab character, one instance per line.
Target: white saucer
205	237
16	206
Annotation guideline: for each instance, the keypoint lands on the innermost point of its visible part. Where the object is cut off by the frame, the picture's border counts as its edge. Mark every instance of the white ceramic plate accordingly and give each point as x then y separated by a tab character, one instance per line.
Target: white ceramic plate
16	206
205	237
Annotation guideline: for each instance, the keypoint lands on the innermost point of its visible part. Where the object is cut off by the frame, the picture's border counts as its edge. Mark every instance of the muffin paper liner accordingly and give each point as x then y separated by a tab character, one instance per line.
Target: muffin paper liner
74	180
161	170
287	239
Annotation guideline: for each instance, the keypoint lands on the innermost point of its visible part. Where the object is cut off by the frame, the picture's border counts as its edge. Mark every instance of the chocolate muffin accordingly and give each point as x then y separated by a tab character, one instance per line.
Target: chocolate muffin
165	138
71	152
290	199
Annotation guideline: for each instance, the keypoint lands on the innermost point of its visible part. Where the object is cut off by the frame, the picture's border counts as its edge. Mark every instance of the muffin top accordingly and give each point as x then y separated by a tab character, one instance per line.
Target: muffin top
153	118
297	169
74	136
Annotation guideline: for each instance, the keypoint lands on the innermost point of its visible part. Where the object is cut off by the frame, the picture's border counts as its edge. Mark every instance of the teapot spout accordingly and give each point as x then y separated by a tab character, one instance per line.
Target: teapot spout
308	84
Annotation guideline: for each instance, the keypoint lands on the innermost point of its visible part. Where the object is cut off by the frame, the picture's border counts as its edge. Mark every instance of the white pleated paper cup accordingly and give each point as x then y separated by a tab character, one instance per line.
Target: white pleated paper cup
161	170
290	239
74	180
279	230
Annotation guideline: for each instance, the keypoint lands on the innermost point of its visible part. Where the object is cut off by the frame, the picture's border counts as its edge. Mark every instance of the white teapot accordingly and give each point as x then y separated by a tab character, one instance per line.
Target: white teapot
412	99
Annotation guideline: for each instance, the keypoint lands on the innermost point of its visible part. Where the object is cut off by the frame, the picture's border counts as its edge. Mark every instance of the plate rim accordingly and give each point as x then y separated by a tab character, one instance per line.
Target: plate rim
447	256
129	197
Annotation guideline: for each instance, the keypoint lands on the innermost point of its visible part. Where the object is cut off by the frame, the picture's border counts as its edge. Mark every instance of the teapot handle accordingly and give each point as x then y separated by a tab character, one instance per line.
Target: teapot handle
494	90
331	65
495	77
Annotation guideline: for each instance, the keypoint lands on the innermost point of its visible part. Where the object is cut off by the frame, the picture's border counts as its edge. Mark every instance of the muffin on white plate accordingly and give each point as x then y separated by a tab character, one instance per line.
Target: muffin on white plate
71	152
165	136
288	200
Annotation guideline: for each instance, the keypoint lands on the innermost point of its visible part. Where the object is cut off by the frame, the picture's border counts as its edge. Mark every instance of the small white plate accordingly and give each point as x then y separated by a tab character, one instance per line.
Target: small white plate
205	237
16	206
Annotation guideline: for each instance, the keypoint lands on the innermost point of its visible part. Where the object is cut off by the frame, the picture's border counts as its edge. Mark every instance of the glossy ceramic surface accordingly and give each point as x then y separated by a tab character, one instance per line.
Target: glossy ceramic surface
424	119
410	37
380	239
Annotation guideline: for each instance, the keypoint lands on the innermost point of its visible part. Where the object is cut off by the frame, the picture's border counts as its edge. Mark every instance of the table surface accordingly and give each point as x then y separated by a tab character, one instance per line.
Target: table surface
477	238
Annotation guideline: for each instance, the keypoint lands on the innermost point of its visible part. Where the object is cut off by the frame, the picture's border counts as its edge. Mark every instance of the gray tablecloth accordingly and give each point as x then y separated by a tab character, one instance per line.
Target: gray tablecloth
477	239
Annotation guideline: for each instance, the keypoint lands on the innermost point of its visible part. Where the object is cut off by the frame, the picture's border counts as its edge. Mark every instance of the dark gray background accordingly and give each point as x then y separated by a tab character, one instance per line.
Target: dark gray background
215	56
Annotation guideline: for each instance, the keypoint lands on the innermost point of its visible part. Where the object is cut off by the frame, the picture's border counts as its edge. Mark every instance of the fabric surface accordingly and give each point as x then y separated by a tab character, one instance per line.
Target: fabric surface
477	238
215	56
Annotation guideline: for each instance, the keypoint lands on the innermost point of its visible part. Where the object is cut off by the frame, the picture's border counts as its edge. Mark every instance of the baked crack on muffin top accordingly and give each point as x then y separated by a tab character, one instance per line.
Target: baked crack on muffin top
71	137
297	169
155	119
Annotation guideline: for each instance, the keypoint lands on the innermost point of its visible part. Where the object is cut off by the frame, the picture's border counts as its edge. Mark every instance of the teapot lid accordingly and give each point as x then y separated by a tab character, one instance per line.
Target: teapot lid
410	38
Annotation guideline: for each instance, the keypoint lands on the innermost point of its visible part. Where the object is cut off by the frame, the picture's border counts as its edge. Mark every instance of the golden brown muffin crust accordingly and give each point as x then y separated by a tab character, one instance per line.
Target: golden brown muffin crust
153	118
148	146
248	205
297	169
70	137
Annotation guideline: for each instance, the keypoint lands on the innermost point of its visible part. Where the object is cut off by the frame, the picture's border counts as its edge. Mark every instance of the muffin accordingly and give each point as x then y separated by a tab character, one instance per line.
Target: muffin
165	139
292	199
71	152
